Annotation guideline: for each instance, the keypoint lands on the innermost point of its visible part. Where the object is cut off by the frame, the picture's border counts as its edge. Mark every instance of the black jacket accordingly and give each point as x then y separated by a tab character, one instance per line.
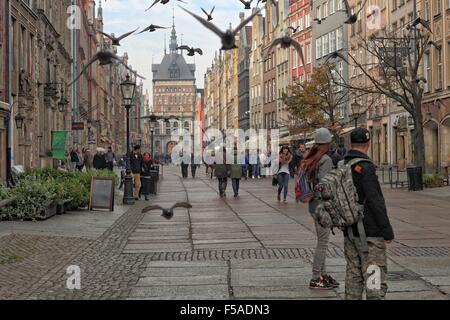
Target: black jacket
376	221
99	162
74	157
136	161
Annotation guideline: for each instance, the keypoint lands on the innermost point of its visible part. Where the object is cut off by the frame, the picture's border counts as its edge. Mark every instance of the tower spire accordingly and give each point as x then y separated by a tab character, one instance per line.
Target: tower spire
165	44
173	38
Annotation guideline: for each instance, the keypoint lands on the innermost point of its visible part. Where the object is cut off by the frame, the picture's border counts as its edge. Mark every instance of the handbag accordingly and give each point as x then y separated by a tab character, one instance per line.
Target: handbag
275	180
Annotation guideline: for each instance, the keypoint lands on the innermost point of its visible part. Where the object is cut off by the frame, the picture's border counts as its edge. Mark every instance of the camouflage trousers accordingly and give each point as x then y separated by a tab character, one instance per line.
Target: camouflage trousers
365	271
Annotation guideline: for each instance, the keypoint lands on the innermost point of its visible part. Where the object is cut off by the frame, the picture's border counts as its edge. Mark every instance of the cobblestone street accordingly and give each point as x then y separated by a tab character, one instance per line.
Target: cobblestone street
247	248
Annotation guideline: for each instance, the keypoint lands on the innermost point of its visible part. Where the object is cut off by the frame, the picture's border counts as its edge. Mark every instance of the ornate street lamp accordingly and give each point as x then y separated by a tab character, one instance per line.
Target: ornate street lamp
63	102
19	119
128	88
356	110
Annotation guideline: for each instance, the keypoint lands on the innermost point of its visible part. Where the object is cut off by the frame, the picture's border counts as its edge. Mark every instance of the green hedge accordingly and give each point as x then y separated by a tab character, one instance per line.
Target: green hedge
38	188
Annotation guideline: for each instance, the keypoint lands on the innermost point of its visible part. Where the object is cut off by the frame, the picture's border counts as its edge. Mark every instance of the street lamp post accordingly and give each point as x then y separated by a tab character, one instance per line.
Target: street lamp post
356	111
152	131
128	88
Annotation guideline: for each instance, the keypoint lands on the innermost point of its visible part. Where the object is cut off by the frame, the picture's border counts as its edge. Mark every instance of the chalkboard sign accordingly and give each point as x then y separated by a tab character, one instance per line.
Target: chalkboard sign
102	194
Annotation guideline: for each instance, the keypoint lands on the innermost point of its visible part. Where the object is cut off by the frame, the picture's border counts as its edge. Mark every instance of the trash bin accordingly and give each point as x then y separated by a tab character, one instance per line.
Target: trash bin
154	174
147	185
415	179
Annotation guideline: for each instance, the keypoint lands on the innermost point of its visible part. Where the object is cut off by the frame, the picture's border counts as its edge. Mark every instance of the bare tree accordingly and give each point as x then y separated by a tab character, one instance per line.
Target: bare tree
394	71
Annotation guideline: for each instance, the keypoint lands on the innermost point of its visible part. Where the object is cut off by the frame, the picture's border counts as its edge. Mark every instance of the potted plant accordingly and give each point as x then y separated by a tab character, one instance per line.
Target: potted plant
433	180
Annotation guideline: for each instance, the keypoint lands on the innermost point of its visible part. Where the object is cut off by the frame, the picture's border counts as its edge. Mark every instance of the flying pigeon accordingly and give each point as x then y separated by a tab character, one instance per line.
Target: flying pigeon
352	18
247	4
152	28
116	40
191	50
162	2
209	15
285	43
228	37
168	213
294	30
105	57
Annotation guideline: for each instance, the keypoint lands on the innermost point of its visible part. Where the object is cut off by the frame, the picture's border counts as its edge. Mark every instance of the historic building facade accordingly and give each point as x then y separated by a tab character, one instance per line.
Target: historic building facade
174	94
256	83
245	42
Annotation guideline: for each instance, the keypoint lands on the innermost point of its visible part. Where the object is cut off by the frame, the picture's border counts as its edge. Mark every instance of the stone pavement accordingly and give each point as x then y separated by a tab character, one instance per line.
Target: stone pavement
247	248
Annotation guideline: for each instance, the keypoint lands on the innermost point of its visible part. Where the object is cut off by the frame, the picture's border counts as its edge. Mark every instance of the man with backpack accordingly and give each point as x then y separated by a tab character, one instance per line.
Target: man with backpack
366	270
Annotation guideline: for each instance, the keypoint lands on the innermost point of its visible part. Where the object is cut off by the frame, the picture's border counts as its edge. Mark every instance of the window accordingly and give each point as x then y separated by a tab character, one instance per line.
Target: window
394	5
318	48
340	70
340	4
361	59
339	43
318	13
333	41
440	70
325	45
294	59
325	10
437	8
331	6
300	23
308	53
427	71
307	20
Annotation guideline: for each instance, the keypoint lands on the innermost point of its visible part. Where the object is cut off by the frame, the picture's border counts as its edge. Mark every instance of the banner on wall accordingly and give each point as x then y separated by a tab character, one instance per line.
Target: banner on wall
59	142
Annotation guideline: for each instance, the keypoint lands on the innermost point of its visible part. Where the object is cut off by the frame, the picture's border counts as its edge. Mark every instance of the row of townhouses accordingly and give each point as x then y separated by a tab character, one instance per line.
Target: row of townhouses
42	44
243	87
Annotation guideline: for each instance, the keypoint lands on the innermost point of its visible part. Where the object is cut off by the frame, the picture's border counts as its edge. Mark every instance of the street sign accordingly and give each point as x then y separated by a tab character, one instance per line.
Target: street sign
77	126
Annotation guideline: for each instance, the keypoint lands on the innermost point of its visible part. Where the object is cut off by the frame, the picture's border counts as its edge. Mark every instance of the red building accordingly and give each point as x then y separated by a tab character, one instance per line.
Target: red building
300	18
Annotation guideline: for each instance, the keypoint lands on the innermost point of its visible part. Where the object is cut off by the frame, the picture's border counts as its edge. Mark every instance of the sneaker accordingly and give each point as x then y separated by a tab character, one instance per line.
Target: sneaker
279	198
331	281
320	284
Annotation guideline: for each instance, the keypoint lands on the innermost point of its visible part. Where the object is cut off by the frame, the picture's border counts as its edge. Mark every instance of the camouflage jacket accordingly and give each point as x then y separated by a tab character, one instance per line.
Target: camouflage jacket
376	220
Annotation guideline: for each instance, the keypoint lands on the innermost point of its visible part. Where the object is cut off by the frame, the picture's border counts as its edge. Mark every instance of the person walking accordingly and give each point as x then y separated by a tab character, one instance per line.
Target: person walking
284	173
147	166
88	159
317	164
110	158
194	166
256	165
80	163
136	162
99	161
376	223
236	176
73	158
222	172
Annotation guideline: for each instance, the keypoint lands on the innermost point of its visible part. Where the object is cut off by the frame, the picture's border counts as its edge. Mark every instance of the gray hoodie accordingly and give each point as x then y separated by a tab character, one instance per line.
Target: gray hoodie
324	166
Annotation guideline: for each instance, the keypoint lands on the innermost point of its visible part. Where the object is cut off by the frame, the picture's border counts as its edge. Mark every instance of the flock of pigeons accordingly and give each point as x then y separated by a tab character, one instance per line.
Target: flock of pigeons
228	37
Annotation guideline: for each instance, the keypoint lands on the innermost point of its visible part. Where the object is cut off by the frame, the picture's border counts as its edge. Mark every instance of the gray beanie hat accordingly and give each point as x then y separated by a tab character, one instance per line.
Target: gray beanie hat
323	136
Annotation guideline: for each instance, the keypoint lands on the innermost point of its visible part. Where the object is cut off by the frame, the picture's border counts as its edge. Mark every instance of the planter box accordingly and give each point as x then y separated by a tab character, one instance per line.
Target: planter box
435	184
48	212
63	206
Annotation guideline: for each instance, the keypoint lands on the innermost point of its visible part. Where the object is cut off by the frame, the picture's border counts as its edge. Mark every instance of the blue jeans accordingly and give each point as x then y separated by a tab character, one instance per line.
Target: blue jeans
236	183
283	183
256	170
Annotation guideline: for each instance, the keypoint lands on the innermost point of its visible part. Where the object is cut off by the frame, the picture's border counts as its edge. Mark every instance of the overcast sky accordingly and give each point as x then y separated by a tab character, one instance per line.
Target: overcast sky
121	16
